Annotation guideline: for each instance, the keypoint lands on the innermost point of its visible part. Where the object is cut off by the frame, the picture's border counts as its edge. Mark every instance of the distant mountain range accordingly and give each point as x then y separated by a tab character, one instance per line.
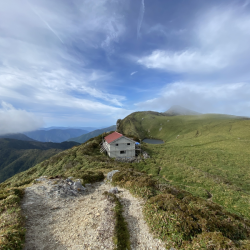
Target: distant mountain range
178	110
85	137
18	155
55	135
17	137
89	129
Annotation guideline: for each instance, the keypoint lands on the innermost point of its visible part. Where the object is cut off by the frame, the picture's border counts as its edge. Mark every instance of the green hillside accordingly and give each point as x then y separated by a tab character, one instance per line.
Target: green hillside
17	136
205	154
195	186
18	156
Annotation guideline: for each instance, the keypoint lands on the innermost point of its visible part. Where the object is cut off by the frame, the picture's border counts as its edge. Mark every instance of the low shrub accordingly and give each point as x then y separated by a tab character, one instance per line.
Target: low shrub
12	231
140	183
183	220
211	241
90	176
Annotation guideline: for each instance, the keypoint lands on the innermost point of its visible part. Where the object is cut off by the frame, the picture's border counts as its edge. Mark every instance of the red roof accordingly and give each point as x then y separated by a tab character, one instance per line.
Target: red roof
112	137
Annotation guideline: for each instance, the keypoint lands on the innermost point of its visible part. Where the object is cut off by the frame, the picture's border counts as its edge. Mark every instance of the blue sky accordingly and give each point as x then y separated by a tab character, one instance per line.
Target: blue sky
88	63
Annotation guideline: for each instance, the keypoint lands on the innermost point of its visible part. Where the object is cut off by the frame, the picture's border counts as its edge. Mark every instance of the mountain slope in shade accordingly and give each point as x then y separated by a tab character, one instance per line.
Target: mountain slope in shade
84	138
178	110
18	156
17	137
55	135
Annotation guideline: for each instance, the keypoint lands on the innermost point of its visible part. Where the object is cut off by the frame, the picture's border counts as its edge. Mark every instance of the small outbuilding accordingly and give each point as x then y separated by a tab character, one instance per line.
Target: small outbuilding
118	146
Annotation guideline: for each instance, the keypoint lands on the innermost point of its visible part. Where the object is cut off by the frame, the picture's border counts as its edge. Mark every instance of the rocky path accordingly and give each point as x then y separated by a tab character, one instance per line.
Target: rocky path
140	237
82	221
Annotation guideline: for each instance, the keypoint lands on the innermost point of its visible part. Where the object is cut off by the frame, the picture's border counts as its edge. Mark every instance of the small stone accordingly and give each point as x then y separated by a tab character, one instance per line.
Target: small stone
97	215
69	181
114	190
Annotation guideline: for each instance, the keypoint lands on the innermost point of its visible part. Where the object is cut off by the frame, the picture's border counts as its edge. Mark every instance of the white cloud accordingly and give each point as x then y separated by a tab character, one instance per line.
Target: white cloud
183	62
133	73
232	98
218	42
17	120
102	22
58	86
39	66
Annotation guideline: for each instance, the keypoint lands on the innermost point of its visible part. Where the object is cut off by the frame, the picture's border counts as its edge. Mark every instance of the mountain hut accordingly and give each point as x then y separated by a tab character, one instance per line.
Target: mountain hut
118	146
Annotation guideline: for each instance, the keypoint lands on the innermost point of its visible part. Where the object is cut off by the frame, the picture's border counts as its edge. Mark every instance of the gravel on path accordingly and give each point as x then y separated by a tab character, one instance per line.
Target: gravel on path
84	221
140	236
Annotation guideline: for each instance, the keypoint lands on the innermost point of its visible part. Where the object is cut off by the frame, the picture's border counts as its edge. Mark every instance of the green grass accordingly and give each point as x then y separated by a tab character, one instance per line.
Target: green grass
204	165
182	220
121	237
12	229
201	154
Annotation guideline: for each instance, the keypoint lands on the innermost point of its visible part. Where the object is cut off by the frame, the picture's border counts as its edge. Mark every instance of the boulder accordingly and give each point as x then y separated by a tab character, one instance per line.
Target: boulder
78	186
110	174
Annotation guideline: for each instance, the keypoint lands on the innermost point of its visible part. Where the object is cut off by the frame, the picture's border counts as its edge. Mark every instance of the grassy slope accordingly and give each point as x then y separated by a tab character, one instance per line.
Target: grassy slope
18	156
177	217
71	162
18	136
201	154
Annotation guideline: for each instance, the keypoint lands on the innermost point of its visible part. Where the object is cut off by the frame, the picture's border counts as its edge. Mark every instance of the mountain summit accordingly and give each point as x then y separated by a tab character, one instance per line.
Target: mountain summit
178	110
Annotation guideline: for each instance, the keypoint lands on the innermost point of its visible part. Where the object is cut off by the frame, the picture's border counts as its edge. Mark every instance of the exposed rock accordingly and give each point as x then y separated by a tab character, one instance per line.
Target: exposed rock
70	182
42	178
58	188
110	174
145	155
114	190
78	186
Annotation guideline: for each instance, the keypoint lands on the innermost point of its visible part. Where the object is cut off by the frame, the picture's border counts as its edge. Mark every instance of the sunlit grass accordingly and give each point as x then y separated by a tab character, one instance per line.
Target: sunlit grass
204	158
201	154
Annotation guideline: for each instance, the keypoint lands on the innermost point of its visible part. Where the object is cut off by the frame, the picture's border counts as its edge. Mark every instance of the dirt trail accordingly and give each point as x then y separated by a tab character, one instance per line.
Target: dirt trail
140	237
82	222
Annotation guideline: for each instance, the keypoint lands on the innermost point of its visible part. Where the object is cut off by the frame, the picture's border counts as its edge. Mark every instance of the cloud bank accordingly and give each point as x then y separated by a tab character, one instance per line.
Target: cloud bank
16	120
217	98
